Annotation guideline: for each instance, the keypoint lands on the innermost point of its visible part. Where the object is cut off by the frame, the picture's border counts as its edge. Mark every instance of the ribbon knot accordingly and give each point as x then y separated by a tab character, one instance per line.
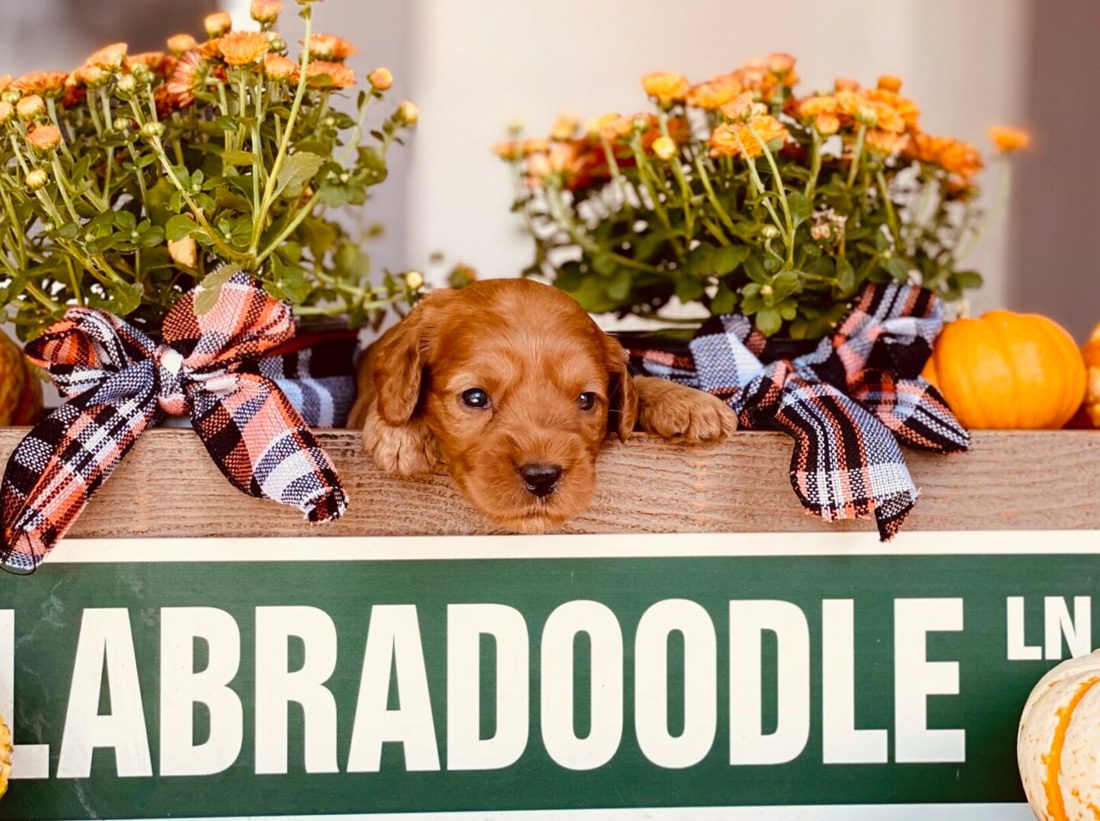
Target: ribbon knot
119	383
170	391
847	403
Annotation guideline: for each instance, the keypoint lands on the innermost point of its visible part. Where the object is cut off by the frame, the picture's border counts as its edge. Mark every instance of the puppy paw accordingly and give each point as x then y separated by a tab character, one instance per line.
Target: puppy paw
402	449
678	412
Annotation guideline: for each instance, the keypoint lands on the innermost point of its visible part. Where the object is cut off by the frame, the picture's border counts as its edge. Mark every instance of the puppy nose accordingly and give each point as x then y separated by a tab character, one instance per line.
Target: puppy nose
540	479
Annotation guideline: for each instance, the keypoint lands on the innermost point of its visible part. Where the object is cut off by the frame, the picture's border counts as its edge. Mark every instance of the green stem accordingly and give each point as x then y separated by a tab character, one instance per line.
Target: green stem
815	167
891	216
284	143
290	228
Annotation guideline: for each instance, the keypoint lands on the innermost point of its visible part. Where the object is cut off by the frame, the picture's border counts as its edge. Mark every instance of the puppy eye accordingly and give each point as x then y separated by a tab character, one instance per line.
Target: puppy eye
475	398
586	401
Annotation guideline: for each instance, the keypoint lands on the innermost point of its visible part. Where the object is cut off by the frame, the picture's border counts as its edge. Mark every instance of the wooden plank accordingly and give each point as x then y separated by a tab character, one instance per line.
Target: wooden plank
168	486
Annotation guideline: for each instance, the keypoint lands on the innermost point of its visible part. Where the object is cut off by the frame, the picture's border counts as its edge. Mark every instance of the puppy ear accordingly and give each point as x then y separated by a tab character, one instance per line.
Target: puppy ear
623	411
400	361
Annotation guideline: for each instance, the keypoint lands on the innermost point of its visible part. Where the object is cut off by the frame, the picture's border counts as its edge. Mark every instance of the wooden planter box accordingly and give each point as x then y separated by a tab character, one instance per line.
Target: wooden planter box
711	652
1010	480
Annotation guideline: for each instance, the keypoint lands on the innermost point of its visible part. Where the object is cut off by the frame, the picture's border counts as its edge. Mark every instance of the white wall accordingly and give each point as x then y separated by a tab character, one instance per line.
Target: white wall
476	65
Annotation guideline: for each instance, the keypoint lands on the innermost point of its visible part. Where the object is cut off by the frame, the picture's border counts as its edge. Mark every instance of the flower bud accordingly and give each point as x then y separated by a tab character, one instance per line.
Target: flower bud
380	79
407	113
664	148
414	280
123	124
141	72
766	290
266	12
820	231
37	179
275	42
217	24
152	130
12	95
769	232
31	107
126	85
44	138
179	43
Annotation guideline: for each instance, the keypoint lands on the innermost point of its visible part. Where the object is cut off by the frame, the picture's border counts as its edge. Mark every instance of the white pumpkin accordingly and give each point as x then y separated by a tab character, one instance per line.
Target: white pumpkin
1058	746
5	756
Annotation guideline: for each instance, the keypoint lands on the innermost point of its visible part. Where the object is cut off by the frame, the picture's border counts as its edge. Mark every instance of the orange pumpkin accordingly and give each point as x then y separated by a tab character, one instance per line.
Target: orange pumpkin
1091	353
1007	370
20	389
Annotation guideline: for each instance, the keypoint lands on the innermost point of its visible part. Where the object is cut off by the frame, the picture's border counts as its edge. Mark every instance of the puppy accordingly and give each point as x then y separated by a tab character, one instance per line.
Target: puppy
514	388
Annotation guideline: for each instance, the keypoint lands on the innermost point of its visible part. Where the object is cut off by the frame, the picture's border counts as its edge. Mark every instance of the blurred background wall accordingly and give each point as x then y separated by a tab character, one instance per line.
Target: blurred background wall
474	66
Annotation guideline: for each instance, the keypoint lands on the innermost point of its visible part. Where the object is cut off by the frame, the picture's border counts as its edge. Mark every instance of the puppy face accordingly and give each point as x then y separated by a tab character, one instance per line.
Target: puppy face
517	387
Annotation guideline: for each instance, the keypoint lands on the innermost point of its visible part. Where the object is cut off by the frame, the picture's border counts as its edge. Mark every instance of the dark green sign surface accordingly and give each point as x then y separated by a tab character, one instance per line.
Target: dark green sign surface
57	609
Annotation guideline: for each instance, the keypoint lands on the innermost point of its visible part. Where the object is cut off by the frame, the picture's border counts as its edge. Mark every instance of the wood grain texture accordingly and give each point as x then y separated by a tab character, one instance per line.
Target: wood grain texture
1024	480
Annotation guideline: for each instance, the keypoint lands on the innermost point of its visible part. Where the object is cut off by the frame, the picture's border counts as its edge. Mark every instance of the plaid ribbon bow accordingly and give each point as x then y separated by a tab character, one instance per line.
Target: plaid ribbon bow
119	383
846	404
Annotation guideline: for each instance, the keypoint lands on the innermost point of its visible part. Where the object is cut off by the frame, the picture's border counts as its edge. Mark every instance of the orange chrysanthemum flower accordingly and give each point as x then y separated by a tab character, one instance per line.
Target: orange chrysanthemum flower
886	142
812	107
714	93
46	83
108	57
327	75
278	67
5	82
827	124
743	107
329	47
961	158
780	63
158	62
748	138
564	128
610	127
180	88
508	150
845	84
889	82
30	107
243	48
44	137
180	43
1007	139
666	87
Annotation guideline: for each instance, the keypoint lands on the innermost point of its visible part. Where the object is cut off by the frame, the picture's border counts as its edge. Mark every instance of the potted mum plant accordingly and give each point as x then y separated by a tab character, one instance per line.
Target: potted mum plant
739	195
133	178
166	220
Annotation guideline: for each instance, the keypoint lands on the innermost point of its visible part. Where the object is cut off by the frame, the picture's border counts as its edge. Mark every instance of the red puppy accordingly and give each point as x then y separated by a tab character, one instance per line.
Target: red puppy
514	388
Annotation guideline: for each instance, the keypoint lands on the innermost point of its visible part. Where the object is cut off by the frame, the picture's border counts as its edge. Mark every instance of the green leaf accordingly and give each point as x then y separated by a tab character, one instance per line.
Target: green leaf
768	321
604	264
208	291
689	290
724	301
620	284
845	275
966	280
179	227
700	262
728	257
785	284
297	171
801	208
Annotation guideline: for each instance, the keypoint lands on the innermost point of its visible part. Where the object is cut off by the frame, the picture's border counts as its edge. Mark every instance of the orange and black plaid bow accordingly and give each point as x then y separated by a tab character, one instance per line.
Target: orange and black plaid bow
119	383
847	402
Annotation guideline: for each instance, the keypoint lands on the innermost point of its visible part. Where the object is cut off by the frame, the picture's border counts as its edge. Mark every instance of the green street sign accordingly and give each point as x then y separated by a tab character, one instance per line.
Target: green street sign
762	676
